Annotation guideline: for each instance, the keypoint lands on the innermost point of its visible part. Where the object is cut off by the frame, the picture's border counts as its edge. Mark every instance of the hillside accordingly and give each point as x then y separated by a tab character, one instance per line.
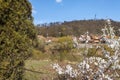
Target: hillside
75	28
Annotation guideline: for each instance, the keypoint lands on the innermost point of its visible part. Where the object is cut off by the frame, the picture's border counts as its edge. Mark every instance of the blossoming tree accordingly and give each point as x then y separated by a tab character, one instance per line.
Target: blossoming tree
96	68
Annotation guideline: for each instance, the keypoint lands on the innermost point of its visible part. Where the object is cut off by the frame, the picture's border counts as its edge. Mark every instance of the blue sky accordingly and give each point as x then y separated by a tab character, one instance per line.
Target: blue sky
46	11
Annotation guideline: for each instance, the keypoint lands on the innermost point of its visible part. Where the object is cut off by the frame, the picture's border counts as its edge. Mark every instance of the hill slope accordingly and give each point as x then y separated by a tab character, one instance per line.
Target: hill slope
75	28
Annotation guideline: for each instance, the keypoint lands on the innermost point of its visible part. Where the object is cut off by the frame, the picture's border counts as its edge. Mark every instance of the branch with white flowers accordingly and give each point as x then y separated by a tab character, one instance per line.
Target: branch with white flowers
96	68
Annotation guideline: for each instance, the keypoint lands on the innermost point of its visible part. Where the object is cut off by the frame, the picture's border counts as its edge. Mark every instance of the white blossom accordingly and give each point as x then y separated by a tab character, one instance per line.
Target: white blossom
97	66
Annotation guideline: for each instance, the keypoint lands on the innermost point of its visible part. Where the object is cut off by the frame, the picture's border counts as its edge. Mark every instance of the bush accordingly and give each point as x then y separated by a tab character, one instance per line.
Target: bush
41	45
92	52
63	44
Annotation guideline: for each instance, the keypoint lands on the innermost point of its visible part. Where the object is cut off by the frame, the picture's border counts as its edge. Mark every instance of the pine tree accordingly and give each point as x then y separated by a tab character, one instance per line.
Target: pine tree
17	35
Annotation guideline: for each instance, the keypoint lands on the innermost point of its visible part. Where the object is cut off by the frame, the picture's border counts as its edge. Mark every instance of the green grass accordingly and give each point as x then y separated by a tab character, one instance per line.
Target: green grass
42	70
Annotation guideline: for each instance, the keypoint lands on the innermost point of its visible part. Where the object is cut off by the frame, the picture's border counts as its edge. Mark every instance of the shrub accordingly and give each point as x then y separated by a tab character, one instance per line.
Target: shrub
64	44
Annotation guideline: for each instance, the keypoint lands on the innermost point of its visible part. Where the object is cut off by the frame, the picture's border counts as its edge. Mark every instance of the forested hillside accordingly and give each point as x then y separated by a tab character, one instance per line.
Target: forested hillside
75	28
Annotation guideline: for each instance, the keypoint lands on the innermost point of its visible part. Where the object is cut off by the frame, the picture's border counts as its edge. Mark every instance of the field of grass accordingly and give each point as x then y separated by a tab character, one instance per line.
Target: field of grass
39	66
42	69
39	70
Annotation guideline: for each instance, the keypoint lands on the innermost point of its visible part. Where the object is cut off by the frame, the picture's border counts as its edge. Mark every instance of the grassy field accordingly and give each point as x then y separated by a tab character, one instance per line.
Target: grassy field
39	66
40	70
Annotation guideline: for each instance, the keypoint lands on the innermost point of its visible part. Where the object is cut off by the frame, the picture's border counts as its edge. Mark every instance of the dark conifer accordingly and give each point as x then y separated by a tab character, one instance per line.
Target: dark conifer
17	35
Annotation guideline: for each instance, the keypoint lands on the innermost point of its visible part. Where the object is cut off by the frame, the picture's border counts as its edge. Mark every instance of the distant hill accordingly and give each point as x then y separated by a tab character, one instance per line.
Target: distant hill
75	28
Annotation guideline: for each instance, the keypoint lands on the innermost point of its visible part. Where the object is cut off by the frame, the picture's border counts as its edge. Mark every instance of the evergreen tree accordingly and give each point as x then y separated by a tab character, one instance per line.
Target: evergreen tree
17	35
